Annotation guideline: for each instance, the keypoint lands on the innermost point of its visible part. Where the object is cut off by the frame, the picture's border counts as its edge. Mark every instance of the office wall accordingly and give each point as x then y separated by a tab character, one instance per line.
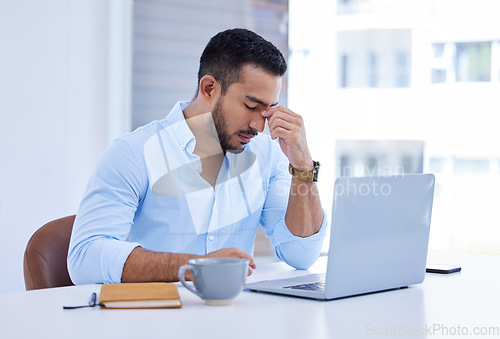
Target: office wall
55	114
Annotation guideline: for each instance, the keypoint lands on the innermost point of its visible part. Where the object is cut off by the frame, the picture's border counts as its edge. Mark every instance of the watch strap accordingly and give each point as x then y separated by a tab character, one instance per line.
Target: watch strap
311	176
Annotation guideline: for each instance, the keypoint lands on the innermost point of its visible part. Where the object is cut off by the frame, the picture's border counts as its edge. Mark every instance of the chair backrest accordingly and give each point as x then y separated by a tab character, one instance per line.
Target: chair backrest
46	253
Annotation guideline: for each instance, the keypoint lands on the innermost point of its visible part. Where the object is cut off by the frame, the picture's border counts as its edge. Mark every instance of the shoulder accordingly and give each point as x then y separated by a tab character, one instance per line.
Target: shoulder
137	138
127	152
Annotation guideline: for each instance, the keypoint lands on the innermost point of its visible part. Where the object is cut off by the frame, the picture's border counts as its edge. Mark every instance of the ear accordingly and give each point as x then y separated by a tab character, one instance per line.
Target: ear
209	89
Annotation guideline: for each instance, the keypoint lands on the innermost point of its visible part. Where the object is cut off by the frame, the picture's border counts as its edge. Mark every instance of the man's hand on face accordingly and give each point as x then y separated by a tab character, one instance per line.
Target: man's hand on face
233	252
289	128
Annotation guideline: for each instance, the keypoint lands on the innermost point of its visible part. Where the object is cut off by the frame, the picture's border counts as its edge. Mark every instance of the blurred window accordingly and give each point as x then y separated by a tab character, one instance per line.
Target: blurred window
473	61
372	70
406	70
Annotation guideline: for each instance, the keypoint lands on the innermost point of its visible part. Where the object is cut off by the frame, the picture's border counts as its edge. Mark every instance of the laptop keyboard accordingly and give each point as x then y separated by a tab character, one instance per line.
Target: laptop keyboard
315	286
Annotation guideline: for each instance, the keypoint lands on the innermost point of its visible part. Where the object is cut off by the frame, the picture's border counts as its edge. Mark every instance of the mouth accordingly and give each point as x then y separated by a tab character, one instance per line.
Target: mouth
245	138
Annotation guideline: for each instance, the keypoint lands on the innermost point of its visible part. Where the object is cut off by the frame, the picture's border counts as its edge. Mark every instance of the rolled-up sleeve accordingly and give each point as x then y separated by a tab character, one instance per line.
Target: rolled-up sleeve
298	252
98	248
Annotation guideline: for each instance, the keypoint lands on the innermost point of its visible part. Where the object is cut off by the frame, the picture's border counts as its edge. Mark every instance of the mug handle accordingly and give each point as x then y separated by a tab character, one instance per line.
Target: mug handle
183	270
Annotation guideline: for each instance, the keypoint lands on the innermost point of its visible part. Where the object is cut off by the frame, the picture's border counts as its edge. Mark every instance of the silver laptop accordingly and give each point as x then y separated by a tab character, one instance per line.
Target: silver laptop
379	237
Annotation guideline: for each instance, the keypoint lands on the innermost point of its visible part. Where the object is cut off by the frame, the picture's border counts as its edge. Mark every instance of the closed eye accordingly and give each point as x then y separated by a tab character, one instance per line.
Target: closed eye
250	108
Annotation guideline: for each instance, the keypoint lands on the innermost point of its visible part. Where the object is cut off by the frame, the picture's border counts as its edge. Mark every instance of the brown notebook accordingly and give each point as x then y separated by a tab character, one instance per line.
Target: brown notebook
140	295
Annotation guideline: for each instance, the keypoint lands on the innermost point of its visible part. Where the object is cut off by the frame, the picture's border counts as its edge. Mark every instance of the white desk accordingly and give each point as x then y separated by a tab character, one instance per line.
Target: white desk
467	299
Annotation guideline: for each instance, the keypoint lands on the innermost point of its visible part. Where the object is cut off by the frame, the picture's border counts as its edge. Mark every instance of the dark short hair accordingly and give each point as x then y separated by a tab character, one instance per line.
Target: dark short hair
228	51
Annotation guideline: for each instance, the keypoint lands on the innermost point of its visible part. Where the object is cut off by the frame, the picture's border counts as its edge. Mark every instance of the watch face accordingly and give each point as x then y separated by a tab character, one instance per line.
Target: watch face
315	171
316	166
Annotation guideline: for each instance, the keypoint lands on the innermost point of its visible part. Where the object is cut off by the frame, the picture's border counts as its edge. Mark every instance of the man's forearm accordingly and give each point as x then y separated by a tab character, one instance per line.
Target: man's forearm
304	214
143	265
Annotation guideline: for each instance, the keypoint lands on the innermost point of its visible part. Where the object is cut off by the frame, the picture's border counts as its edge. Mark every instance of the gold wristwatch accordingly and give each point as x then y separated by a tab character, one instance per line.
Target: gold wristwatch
305	176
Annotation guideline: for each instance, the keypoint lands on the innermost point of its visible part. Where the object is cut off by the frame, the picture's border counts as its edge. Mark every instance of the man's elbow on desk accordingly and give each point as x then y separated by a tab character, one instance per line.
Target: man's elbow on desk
300	253
301	259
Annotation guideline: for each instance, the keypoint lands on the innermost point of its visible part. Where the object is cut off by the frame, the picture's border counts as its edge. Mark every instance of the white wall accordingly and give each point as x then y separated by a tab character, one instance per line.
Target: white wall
54	114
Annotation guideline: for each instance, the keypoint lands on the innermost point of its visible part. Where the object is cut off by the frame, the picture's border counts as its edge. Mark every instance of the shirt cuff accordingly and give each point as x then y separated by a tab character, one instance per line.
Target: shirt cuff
296	251
113	257
99	261
282	234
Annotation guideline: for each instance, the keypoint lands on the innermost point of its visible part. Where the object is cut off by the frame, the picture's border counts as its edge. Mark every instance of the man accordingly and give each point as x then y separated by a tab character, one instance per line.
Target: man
199	182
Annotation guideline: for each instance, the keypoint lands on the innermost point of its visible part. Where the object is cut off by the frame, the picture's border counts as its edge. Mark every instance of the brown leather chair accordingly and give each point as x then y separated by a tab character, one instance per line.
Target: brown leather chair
46	253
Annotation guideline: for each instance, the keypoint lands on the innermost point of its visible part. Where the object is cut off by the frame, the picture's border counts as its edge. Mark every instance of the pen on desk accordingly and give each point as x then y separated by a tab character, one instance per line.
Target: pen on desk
93	299
92	303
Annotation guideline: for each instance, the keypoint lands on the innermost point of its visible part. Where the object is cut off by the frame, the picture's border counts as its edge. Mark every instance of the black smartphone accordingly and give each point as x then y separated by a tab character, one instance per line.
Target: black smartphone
443	269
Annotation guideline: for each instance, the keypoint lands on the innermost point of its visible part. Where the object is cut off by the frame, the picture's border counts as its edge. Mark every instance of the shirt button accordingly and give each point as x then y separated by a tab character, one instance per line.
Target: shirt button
211	237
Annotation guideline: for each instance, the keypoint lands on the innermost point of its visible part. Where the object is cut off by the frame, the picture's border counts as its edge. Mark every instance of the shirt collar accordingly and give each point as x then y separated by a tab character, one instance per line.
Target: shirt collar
185	137
179	128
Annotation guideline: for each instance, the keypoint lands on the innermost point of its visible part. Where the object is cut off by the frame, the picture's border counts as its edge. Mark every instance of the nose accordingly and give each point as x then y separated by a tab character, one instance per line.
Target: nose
258	123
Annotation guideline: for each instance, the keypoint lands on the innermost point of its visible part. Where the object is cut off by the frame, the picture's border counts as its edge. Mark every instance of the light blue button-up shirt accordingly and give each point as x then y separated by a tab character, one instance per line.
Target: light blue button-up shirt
147	191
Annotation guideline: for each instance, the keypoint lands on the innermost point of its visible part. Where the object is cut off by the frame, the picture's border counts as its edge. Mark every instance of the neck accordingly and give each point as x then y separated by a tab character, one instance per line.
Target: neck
194	108
199	120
